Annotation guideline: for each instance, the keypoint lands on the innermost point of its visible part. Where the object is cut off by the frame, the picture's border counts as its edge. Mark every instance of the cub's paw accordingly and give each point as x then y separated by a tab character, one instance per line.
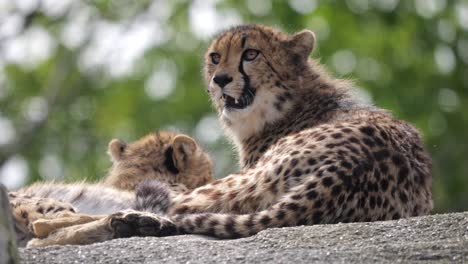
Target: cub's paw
39	242
135	223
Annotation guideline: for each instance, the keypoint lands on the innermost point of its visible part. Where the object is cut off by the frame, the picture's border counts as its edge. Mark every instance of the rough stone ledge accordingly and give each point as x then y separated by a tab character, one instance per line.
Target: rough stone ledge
430	239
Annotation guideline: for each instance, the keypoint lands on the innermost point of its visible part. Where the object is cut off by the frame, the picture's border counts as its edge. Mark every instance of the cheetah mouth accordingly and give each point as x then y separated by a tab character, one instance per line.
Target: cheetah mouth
246	99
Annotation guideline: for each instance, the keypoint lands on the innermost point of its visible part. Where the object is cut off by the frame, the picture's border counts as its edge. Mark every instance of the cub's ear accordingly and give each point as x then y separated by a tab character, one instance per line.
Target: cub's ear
115	149
303	42
183	149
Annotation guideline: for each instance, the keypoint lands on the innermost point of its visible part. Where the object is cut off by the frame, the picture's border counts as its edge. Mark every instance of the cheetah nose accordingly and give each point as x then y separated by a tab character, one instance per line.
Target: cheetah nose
222	80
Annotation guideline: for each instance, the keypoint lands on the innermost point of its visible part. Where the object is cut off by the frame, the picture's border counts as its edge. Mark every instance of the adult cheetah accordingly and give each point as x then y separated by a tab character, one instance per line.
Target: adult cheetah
309	152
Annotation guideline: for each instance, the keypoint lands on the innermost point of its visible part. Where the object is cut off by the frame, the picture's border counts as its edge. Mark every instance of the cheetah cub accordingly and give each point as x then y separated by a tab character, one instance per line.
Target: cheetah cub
170	158
309	152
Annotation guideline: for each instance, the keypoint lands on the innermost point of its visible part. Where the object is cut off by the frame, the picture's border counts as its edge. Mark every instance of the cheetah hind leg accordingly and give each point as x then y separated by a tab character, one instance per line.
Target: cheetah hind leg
78	234
41	228
122	224
28	209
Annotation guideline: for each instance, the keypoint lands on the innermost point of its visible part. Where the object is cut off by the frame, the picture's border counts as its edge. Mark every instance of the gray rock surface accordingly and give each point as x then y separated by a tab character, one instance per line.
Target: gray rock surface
429	239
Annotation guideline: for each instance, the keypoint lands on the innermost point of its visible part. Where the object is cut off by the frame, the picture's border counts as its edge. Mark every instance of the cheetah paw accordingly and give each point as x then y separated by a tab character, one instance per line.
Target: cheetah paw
135	223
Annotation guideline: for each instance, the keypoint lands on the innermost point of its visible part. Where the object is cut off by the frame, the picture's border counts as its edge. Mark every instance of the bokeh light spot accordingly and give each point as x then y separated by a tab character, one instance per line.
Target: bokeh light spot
344	61
14	172
162	82
303	6
259	7
358	6
36	109
8	132
34	46
444	58
461	11
50	167
429	8
448	100
446	30
208	129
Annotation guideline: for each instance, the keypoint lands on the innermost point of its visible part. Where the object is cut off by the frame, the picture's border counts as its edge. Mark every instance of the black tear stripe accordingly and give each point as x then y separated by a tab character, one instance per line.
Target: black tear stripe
243	41
246	79
169	162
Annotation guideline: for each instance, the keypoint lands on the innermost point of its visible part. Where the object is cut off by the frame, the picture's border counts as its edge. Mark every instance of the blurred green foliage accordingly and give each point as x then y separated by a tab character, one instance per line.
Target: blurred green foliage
75	74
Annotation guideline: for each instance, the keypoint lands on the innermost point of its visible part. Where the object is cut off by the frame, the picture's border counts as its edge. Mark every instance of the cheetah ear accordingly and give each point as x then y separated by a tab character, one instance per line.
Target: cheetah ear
184	147
115	149
303	42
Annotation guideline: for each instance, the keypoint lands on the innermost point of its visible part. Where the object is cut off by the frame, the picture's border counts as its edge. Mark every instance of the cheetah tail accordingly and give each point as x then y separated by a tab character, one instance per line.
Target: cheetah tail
152	196
235	226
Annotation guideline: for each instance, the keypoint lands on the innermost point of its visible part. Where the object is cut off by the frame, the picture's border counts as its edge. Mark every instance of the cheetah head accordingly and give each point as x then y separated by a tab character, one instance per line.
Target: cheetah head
250	71
169	157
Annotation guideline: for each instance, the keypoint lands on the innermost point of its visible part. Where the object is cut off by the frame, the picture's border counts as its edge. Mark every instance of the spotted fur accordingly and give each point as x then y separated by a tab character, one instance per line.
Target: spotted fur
309	152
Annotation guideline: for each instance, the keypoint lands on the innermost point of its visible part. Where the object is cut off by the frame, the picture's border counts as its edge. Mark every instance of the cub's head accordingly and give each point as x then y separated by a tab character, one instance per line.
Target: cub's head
252	71
166	156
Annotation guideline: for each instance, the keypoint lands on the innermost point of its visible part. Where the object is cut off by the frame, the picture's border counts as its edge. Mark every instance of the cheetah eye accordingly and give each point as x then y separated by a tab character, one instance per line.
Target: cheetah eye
250	54
215	58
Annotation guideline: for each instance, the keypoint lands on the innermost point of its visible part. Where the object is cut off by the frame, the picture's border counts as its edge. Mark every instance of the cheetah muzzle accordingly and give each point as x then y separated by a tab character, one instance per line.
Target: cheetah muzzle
246	99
